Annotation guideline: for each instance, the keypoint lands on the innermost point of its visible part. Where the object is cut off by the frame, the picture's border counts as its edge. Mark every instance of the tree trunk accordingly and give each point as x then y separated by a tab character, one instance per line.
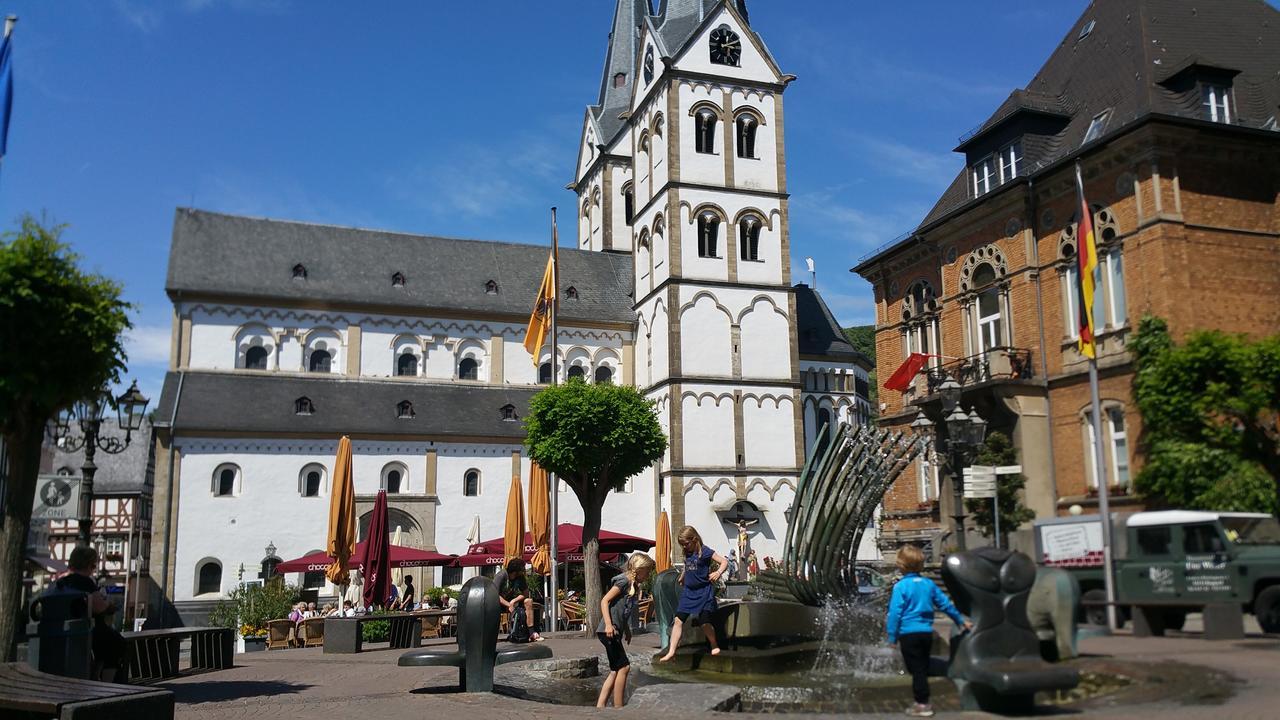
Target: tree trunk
24	467
591	512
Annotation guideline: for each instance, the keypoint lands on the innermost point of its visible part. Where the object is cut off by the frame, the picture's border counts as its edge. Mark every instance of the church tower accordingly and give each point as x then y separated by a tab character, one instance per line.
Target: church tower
682	165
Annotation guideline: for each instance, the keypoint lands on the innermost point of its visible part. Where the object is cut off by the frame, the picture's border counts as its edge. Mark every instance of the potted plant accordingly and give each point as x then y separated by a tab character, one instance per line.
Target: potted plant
255	638
249	608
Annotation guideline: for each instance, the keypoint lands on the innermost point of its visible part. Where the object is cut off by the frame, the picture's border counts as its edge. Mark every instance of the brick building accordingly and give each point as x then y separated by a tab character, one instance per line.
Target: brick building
1171	108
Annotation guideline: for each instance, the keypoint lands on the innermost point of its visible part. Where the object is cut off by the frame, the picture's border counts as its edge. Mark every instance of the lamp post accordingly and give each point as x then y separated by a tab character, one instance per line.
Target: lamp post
88	412
965	433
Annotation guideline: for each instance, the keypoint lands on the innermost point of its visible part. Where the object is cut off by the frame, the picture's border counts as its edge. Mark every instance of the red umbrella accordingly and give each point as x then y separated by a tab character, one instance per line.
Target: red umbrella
401	557
569	540
376	559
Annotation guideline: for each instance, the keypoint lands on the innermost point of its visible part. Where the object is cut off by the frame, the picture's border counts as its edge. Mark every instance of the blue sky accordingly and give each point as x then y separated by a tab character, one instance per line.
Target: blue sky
460	119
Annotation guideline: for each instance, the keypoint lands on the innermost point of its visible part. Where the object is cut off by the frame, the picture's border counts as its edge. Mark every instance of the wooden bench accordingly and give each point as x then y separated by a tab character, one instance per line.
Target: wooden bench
343	634
153	654
27	693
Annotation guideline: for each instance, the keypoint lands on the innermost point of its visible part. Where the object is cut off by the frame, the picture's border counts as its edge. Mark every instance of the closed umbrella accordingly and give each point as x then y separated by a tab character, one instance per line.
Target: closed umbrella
397	576
376	561
342	516
473	535
513	537
540	520
662	552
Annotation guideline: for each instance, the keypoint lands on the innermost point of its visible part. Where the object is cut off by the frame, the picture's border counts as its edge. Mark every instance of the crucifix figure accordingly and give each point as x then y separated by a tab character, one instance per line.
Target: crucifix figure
742	522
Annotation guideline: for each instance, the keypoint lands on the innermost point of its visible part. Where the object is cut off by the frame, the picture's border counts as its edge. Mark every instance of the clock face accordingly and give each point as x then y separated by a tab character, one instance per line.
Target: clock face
726	46
648	66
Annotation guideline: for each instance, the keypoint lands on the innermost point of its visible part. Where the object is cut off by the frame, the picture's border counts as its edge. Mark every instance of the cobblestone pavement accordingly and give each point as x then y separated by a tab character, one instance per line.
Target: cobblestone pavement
282	685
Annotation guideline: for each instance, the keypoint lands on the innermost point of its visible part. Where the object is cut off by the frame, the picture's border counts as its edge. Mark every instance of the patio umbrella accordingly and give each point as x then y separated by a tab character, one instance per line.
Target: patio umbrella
401	557
473	535
397	577
514	536
376	560
569	539
662	552
342	516
539	520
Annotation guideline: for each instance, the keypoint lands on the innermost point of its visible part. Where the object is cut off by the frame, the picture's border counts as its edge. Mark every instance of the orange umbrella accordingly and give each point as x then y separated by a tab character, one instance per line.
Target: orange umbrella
662	550
342	516
513	537
540	519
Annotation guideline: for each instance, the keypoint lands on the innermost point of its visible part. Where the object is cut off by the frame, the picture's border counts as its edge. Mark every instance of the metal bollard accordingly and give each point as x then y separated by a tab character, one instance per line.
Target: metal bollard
61	634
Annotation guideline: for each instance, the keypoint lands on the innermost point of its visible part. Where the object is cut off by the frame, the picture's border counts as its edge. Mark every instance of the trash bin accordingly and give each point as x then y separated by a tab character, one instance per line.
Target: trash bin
60	634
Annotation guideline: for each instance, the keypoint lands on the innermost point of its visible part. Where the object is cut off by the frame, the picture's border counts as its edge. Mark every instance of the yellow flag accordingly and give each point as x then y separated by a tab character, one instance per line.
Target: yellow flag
540	320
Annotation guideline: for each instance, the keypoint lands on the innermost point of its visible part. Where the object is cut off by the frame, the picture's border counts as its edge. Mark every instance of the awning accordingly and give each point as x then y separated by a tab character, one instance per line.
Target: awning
401	557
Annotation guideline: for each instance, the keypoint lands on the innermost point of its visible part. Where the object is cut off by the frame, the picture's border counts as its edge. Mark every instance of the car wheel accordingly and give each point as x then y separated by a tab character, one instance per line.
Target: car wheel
1175	619
1266	607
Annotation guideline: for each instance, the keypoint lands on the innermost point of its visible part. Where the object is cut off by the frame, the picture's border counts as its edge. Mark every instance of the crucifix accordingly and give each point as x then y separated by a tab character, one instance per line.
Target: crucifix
742	522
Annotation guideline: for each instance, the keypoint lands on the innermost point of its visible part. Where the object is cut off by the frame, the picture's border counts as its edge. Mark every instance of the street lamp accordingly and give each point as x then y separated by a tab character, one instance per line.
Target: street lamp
88	412
965	432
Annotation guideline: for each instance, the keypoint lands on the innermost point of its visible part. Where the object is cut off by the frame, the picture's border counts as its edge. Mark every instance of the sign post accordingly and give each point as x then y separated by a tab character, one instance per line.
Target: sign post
980	482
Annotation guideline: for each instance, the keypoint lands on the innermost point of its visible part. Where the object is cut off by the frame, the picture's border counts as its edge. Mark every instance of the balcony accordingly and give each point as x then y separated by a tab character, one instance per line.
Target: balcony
996	364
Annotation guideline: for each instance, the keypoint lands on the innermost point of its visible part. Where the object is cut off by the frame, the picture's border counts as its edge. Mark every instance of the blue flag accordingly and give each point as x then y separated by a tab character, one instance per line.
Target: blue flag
6	92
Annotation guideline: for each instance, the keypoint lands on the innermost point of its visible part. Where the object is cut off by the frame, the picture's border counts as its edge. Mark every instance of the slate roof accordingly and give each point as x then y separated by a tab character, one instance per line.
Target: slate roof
131	471
1131	62
253	258
213	401
818	333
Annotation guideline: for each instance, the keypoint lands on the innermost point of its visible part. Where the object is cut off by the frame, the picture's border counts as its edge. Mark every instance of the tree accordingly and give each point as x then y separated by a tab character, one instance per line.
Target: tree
61	330
863	339
997	451
593	437
1209	414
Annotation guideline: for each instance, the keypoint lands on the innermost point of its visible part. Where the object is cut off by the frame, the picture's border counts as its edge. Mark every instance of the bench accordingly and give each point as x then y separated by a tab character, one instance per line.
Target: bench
997	667
477	651
343	634
153	654
27	693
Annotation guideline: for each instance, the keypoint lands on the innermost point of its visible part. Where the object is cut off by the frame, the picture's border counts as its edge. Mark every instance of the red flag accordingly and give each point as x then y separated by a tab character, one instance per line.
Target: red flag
901	378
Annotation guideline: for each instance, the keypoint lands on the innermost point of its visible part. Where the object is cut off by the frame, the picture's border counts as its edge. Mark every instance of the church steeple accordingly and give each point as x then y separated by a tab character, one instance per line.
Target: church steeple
619	66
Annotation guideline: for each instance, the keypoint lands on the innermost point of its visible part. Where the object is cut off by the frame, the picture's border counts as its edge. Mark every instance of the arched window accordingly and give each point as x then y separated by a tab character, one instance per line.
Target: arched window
468	369
628	201
255	358
395	478
209	578
404	410
577	372
304	406
544	373
320	362
508	412
708	234
226	481
393	482
823	430
746	131
471	483
990	321
299	272
705	131
749	238
604	375
397	279
407	365
571	293
311	480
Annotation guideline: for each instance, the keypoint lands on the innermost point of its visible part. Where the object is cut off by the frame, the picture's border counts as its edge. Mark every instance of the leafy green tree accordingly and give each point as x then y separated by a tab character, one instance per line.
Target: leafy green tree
999	450
1209	414
593	437
61	331
863	339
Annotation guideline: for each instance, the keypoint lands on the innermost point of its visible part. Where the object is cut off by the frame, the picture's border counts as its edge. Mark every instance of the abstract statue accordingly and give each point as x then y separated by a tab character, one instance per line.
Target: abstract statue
1051	608
842	483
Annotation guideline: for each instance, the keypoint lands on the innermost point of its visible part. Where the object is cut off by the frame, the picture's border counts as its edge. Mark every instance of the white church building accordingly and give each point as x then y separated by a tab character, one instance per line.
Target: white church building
287	335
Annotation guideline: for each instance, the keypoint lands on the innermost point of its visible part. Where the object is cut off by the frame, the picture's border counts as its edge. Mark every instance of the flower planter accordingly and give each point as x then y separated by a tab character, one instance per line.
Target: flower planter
255	644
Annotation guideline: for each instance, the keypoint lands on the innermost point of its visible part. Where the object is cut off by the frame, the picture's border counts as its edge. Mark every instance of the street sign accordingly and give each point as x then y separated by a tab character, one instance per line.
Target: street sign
979	482
1009	470
57	498
976	490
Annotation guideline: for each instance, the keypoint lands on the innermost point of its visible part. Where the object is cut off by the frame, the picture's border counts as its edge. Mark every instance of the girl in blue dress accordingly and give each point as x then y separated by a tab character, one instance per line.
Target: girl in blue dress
698	596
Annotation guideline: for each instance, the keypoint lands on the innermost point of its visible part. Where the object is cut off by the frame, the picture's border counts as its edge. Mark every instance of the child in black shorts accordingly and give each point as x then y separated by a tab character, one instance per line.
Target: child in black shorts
618	609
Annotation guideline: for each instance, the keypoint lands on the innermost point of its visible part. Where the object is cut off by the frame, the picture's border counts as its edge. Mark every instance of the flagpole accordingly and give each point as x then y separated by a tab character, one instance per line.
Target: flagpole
553	602
9	22
1095	411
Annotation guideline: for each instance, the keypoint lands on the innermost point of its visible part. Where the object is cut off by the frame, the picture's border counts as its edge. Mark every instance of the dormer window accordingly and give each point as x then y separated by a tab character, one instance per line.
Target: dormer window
983	175
303	406
404	410
571	292
491	288
397	280
1217	102
1097	126
1010	159
508	412
299	272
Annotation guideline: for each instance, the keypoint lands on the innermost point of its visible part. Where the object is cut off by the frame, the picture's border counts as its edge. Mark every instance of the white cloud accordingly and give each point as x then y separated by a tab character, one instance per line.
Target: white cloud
141	17
480	181
148	345
932	169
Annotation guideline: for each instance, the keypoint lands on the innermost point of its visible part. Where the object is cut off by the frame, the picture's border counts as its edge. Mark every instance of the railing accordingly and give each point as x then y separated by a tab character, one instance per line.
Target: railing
884	247
1001	363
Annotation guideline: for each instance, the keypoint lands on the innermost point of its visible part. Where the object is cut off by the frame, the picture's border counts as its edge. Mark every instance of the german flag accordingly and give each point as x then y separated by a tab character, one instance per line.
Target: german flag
1087	259
540	320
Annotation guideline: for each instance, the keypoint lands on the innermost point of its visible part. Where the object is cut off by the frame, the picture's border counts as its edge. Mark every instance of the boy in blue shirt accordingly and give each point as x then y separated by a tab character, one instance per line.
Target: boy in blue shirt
910	623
